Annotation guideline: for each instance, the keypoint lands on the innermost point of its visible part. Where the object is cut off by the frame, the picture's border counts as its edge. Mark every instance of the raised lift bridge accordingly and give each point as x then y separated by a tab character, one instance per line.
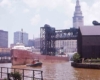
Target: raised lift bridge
48	36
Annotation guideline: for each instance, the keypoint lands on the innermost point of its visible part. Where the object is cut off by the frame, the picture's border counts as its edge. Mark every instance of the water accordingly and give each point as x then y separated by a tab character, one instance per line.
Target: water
62	71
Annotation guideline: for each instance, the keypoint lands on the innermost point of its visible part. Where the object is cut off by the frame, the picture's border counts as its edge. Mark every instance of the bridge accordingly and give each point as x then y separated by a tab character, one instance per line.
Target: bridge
48	36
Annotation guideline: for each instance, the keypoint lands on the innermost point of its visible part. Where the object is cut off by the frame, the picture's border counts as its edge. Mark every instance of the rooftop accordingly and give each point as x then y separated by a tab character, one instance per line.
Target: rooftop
90	30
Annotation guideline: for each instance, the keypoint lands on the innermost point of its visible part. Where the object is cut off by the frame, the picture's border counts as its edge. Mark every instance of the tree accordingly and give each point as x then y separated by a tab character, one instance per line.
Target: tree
76	57
15	75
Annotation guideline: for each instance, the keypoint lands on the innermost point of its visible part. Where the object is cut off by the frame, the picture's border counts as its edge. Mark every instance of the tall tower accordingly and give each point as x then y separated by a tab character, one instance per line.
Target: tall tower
78	18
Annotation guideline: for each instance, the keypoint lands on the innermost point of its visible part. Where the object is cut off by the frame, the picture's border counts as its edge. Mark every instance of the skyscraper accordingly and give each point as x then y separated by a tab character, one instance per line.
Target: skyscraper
21	37
30	42
78	18
3	39
37	43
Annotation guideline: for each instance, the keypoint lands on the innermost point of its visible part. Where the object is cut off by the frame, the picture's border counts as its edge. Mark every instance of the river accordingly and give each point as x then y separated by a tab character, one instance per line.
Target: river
62	71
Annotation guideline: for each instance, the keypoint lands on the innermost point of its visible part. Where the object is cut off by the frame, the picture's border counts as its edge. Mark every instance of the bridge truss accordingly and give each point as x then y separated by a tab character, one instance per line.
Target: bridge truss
48	36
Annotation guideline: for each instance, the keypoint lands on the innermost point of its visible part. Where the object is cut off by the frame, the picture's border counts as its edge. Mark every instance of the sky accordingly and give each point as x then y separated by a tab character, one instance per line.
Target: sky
30	15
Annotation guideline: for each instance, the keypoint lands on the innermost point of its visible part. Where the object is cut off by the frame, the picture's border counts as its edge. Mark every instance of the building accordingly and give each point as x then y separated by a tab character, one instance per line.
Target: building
78	21
3	39
12	45
89	42
21	37
5	52
78	18
37	43
68	45
71	45
30	42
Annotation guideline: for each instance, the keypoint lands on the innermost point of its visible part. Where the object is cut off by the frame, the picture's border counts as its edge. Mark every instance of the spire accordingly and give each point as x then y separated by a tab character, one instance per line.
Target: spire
78	11
78	18
77	3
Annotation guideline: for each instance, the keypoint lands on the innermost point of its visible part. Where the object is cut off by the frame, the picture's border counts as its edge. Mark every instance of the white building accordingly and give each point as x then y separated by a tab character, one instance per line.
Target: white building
78	18
68	45
37	43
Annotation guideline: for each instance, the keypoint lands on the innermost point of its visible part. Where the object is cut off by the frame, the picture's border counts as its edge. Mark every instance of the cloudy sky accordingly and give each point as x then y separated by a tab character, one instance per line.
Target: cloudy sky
33	14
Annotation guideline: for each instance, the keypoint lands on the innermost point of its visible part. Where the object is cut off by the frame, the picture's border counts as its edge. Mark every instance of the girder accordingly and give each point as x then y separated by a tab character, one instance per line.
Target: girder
48	36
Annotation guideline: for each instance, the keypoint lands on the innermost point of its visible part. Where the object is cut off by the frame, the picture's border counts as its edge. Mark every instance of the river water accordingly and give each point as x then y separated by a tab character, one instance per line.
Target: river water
62	71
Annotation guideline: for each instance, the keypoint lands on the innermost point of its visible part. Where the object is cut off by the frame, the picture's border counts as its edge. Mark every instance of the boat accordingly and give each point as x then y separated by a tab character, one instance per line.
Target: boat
35	63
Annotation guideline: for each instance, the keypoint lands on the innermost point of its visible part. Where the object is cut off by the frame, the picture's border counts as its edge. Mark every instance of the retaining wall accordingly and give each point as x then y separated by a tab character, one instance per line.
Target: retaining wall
86	65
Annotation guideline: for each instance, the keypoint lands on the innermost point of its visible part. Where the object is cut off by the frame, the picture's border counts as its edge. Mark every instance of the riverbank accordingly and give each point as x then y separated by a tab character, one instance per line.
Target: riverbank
86	65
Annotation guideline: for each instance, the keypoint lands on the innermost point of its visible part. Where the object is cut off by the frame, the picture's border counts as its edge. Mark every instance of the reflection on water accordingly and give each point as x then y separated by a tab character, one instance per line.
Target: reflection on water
62	71
87	74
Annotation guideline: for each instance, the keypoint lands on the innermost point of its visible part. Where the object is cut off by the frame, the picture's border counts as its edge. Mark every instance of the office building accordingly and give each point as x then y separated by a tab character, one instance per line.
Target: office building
3	39
30	42
37	43
21	37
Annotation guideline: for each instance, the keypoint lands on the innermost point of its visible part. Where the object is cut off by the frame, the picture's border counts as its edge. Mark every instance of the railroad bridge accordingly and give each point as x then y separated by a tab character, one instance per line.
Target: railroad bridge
48	36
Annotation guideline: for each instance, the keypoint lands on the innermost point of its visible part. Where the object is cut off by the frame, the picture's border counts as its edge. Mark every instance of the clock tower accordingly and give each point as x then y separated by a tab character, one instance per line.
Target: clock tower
78	18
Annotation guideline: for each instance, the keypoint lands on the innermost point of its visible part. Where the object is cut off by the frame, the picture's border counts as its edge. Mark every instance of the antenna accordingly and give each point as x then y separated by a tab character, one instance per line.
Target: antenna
22	35
33	37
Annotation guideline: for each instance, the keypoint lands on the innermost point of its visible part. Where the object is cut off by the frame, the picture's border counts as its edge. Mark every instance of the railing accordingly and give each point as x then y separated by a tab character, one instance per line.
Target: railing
5	71
73	37
5	59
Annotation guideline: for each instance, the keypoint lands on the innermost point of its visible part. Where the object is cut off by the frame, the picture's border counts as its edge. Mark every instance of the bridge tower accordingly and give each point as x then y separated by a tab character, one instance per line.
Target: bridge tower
47	40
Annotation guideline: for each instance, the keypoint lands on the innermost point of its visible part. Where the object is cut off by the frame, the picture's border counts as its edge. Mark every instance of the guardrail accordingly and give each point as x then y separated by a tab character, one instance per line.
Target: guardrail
5	60
25	73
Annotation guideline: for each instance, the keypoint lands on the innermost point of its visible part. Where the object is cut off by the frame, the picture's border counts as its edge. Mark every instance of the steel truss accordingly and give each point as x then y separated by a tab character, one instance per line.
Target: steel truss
48	36
47	40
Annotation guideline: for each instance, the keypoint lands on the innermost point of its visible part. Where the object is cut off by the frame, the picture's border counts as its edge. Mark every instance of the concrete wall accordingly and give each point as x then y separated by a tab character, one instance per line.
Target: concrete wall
20	57
88	65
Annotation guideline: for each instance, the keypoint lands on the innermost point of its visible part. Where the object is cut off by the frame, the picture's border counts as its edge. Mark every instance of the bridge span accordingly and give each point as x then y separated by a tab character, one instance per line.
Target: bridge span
48	36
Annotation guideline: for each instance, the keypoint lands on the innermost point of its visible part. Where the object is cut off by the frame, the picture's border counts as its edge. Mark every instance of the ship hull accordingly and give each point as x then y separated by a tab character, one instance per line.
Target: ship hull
34	65
23	57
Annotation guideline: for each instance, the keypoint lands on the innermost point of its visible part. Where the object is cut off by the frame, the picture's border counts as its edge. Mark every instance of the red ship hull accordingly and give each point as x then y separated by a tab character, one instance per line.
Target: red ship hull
22	57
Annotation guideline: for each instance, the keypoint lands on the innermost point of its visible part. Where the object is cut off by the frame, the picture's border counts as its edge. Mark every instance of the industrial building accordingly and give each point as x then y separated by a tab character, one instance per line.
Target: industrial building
88	42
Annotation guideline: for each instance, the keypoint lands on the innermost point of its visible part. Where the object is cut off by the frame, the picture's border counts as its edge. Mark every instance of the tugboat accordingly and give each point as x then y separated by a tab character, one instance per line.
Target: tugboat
35	63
